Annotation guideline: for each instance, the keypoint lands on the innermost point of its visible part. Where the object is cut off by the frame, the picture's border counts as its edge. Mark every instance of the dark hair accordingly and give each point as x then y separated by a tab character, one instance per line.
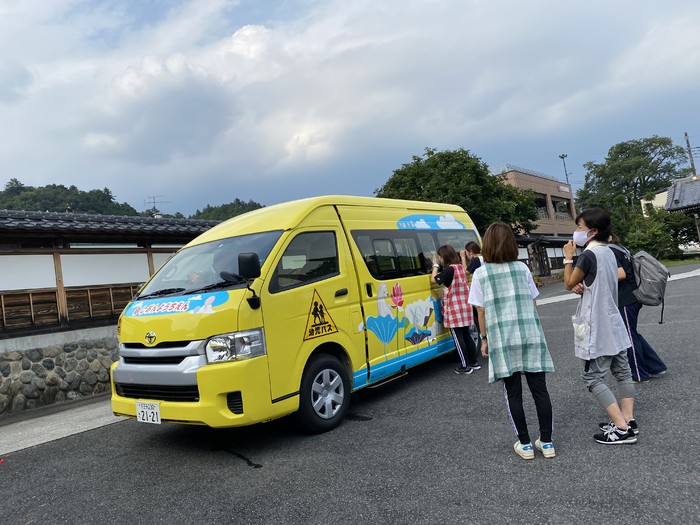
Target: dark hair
597	219
473	247
614	239
499	244
448	254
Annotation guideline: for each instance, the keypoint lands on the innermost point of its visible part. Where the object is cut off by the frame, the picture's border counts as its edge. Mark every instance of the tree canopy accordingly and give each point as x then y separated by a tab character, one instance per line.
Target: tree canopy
226	211
58	198
458	177
632	171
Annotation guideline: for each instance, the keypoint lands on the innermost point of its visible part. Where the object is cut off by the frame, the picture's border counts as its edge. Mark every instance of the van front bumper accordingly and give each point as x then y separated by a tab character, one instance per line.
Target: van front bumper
229	395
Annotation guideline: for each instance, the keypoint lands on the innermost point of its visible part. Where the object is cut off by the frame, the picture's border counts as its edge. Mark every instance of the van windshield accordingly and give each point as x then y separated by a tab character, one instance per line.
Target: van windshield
200	267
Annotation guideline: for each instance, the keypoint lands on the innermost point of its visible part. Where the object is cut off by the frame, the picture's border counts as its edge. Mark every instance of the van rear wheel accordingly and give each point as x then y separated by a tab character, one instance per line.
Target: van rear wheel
324	395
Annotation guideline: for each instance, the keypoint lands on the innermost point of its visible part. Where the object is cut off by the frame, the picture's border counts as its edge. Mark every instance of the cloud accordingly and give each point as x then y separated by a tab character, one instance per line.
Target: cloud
15	80
159	111
211	100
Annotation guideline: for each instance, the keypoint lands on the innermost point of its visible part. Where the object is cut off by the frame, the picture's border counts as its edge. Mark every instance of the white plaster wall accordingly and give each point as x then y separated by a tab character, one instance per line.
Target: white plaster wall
96	269
20	272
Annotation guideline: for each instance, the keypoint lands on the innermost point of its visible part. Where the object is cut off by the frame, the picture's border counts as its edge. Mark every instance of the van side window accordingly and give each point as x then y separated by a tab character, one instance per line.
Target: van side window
310	257
390	254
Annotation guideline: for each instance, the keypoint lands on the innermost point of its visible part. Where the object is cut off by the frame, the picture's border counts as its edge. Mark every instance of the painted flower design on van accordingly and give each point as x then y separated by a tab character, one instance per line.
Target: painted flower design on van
384	327
416	315
419	313
397	296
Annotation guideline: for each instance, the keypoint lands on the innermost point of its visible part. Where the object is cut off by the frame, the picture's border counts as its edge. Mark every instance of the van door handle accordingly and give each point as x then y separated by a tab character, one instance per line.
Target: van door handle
342	291
369	289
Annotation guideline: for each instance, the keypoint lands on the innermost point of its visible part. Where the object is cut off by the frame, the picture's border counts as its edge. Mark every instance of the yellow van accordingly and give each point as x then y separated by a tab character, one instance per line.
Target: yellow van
289	308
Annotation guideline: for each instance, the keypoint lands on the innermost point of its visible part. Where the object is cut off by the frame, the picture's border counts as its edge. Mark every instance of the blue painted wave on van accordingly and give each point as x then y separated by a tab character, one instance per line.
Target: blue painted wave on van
428	221
395	365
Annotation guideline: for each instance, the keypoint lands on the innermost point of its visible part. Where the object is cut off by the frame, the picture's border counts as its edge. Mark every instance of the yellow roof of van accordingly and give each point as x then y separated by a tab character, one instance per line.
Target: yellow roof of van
287	215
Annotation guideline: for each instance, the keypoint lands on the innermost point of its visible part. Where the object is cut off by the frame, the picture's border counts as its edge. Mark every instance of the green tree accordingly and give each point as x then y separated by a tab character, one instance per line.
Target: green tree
58	198
632	169
226	211
652	235
458	177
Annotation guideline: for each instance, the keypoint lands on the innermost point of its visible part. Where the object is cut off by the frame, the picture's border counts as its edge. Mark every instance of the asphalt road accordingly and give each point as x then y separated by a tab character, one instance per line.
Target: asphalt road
431	447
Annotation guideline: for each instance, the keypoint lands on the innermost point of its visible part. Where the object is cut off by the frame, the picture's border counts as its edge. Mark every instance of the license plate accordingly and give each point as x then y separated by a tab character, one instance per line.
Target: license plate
148	412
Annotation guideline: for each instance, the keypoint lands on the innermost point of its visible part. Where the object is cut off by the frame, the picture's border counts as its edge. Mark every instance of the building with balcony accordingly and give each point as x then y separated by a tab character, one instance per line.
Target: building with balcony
556	211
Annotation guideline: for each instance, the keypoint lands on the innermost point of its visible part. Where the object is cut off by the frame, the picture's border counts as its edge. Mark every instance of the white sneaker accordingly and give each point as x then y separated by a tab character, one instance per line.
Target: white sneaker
524	451
547	449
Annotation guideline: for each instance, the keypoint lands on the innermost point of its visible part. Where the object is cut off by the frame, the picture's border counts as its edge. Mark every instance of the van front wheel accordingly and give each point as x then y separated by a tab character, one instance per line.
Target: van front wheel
324	395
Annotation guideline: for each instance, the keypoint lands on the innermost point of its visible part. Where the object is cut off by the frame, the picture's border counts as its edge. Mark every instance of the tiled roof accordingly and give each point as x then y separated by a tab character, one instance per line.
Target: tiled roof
684	194
79	226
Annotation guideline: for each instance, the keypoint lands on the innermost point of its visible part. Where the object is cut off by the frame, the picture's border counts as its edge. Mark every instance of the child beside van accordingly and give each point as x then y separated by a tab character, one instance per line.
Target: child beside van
457	313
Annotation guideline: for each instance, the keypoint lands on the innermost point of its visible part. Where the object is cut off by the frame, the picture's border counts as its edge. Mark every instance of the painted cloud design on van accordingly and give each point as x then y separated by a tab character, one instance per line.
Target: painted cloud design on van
426	221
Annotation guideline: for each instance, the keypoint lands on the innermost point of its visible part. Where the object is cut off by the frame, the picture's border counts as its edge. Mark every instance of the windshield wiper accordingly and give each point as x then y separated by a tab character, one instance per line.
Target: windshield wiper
160	293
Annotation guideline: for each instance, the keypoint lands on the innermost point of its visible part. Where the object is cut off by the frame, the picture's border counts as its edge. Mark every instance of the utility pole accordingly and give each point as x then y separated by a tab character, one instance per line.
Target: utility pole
690	154
694	178
566	173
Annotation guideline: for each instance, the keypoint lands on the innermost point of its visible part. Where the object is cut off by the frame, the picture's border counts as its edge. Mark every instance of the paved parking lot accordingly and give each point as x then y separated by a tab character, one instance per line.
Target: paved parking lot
431	447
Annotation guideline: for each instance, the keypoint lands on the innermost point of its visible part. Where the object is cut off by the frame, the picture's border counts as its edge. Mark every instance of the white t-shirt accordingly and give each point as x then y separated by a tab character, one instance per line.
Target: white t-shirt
476	294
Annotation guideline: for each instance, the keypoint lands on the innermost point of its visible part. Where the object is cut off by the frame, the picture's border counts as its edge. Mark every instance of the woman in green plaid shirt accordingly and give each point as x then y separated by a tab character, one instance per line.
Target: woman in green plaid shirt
511	335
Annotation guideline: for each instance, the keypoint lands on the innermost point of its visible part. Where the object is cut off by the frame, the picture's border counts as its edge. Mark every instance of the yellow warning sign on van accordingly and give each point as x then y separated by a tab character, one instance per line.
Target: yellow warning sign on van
319	322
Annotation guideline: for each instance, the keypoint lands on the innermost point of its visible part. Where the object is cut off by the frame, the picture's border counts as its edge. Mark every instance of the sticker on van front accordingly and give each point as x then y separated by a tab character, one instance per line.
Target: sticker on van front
195	304
319	322
426	221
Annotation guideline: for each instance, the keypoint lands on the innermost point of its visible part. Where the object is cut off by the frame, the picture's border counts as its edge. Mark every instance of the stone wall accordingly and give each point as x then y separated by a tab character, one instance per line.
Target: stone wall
34	377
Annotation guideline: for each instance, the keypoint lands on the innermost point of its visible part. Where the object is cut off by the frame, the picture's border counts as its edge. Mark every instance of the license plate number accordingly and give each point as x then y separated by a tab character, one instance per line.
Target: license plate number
148	412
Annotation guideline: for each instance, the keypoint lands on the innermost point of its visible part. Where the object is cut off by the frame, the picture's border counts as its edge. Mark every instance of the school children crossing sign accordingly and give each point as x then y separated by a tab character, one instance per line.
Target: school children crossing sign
319	322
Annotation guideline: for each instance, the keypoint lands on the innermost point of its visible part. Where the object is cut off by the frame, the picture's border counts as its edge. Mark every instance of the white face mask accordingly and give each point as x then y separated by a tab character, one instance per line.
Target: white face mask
581	237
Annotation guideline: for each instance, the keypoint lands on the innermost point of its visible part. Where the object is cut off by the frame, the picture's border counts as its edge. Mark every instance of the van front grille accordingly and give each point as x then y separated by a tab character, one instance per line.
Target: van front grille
153	360
185	393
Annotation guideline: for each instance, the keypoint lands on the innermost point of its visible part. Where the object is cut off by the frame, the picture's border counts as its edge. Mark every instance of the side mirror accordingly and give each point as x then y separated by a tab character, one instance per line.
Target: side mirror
248	265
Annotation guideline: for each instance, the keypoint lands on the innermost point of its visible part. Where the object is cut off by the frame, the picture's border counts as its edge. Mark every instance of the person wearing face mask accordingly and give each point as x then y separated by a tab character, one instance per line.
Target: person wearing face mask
457	314
600	337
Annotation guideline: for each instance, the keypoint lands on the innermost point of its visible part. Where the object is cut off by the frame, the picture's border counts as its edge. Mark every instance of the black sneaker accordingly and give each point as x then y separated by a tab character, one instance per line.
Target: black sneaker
613	436
632	424
475	366
462	370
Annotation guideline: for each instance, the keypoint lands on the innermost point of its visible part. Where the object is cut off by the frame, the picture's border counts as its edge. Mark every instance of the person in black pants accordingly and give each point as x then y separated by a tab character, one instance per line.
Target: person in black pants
472	253
645	363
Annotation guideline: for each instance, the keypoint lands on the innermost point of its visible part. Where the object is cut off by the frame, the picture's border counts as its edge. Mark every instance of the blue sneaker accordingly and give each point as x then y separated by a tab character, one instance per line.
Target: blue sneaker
547	449
524	451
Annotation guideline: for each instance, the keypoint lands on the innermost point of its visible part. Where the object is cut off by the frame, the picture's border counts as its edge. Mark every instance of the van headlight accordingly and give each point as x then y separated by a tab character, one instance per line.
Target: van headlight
236	346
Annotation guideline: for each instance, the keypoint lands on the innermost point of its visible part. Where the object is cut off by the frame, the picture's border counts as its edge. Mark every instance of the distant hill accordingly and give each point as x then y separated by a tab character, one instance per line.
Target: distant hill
58	198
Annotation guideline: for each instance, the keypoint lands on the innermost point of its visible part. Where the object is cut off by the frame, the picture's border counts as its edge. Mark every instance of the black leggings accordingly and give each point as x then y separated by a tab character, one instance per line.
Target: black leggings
513	389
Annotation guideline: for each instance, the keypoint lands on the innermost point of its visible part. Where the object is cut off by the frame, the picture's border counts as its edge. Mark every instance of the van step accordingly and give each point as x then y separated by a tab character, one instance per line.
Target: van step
388	379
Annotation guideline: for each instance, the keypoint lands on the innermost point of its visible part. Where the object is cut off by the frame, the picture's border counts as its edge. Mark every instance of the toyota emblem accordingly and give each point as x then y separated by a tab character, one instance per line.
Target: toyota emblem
151	337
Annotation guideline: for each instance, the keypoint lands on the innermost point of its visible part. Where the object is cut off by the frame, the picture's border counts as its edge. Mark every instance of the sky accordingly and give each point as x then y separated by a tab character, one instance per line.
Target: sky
187	103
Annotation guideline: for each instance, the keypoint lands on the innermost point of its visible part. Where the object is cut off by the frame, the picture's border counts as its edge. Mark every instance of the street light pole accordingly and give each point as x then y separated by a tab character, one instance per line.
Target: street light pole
566	173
